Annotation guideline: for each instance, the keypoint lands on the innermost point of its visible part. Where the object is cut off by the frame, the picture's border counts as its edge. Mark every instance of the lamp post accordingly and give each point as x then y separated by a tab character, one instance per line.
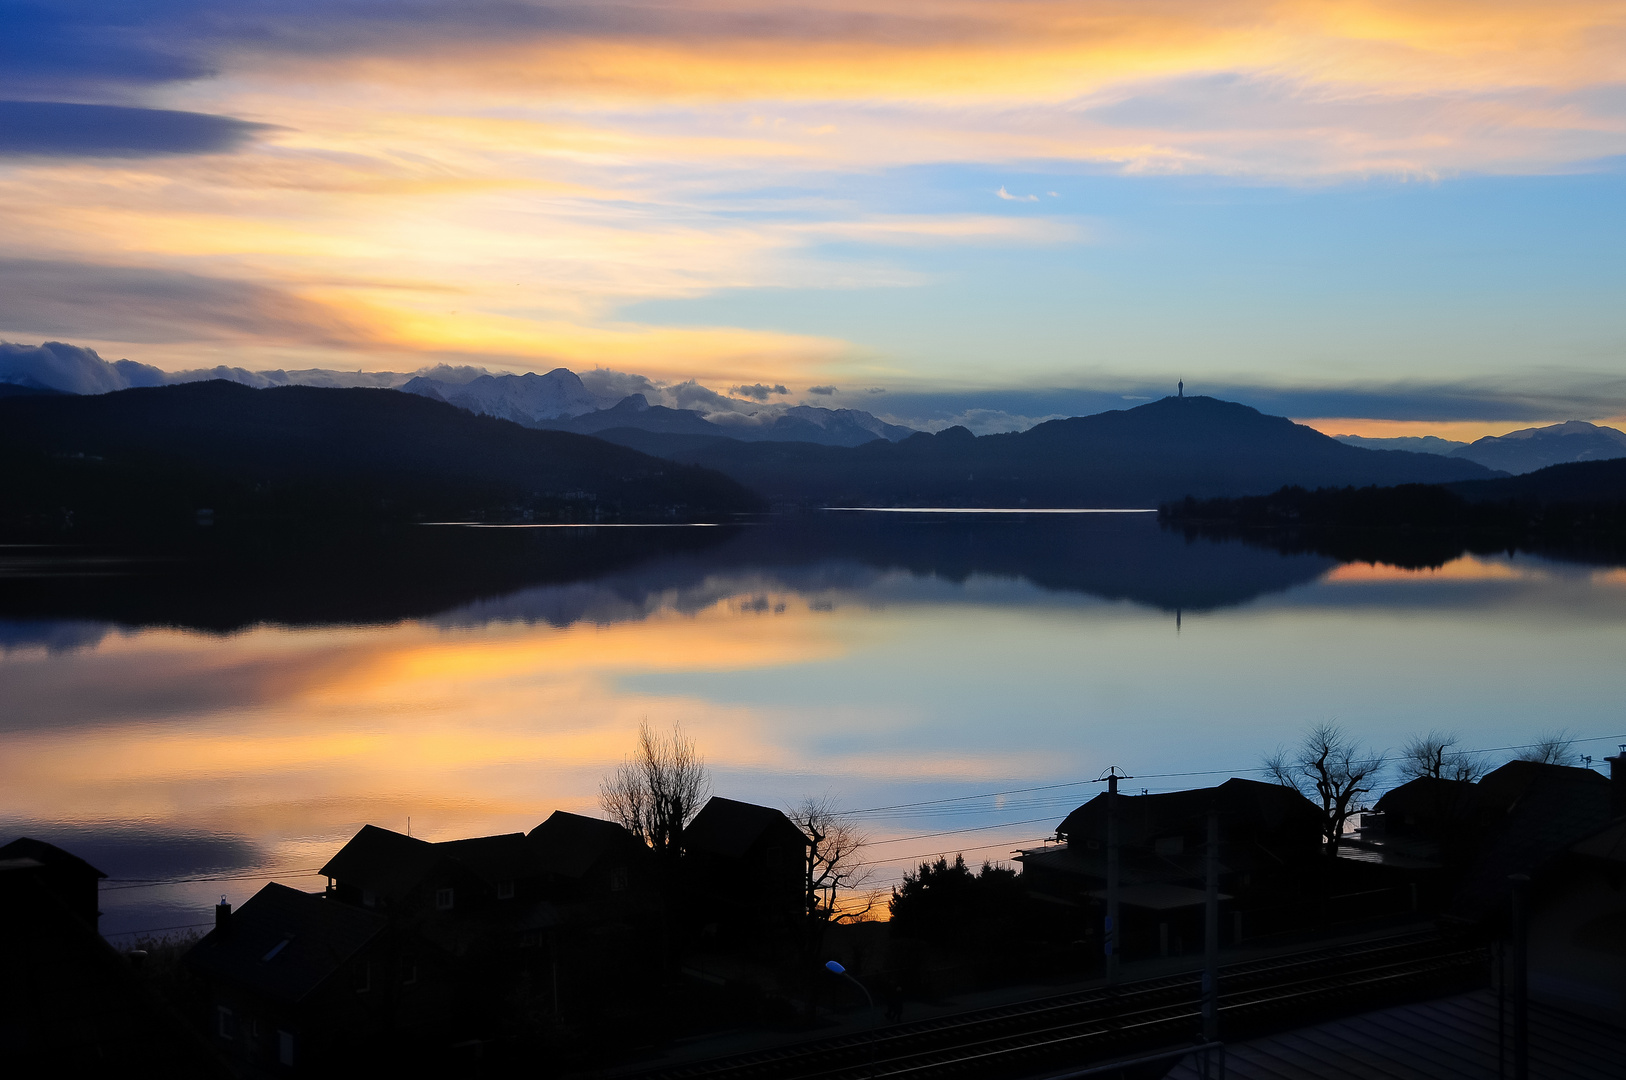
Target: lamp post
835	968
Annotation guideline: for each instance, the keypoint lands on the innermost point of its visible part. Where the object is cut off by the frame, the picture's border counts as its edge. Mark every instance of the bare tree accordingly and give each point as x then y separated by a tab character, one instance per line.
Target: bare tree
657	791
1553	748
1435	755
835	867
1329	768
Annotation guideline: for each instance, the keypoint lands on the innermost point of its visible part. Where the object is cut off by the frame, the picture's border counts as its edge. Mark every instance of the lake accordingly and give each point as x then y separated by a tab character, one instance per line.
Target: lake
196	728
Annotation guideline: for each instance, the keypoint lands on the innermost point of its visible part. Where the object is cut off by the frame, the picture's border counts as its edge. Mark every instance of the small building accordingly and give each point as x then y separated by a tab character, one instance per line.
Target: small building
745	866
72	880
301	980
583	859
69	1004
1270	850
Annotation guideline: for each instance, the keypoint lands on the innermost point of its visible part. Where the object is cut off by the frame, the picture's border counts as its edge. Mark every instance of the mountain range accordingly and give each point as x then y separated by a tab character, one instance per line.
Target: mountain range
151	459
1135	458
1522	451
559	399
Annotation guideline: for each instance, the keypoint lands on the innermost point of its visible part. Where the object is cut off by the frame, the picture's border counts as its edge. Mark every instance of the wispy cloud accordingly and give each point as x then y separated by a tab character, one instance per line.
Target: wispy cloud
495	181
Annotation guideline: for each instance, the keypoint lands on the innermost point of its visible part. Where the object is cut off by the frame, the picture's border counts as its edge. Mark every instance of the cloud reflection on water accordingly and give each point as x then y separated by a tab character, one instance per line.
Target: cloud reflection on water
869	678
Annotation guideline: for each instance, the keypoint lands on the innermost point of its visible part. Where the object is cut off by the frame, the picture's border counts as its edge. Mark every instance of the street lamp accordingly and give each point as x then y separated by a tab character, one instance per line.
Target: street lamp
835	968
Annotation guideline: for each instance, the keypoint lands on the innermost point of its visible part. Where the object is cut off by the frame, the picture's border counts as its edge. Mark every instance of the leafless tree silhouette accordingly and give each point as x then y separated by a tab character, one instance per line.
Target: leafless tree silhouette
657	791
835	867
1436	755
1553	748
1330	769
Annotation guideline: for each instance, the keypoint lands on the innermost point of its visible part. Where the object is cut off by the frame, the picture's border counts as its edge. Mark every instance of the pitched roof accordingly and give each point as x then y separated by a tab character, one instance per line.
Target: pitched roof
1450	1039
45	854
492	859
286	943
1430	796
75	1007
382	861
1552	807
1503	787
731	828
1142	817
570	844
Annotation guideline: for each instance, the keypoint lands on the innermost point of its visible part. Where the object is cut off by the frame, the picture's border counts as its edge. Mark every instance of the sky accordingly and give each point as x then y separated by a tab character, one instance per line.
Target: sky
1381	218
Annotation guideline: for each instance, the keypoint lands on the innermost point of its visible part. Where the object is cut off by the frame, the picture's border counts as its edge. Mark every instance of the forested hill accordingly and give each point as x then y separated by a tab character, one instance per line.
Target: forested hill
153	458
1139	457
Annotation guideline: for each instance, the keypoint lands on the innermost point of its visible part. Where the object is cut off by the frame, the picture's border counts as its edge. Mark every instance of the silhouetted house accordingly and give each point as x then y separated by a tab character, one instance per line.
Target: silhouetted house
392	873
69	1004
600	956
1427	808
1527	813
585	859
745	866
302	980
1270	848
69	878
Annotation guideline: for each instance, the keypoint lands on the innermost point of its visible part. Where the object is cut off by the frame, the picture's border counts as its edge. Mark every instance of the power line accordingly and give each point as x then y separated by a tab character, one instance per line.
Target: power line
1171	775
957	832
149	883
159	929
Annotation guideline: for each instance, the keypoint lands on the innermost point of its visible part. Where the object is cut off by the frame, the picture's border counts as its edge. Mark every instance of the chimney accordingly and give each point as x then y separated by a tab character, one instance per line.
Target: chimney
223	917
1617	784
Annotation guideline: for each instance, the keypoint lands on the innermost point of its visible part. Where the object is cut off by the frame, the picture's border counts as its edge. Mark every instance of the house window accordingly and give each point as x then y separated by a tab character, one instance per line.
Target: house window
505	890
369	898
364	977
1169	845
223	1021
409	969
285	1048
618	879
443	899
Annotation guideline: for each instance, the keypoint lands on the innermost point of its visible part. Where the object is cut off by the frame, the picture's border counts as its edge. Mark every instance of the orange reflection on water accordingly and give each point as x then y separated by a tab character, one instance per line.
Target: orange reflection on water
1466	568
465	730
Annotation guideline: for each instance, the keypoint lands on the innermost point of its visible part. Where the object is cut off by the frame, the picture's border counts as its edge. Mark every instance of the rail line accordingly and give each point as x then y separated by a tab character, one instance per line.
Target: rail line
1100	1023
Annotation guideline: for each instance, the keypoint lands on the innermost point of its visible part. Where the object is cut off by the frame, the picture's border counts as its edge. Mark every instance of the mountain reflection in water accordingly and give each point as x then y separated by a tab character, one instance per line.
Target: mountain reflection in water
601	574
233	716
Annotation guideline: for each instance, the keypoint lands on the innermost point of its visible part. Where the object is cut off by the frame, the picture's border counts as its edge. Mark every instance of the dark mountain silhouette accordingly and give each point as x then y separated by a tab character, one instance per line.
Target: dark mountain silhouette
1573	511
223	582
1135	458
634	416
1600	482
152	459
26	390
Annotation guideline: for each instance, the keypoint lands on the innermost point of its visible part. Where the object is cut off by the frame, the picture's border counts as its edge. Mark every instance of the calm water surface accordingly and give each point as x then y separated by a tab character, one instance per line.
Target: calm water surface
202	740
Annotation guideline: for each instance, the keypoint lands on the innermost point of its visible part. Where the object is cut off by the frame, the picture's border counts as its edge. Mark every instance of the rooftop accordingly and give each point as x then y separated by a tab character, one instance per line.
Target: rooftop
286	943
731	828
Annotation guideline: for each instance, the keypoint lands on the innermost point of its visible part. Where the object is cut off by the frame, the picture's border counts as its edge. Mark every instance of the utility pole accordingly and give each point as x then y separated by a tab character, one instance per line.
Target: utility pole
1109	940
1521	977
1211	934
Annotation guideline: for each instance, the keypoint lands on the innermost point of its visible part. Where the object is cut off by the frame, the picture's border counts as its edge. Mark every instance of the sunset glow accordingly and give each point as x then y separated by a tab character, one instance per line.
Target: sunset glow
723	190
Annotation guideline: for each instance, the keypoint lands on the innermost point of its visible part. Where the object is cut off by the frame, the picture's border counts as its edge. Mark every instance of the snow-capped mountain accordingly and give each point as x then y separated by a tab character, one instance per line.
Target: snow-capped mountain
524	399
556	399
1529	449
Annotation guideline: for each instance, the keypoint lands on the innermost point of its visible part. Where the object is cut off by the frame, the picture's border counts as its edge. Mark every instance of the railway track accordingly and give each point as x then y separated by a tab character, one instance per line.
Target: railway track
1102	1023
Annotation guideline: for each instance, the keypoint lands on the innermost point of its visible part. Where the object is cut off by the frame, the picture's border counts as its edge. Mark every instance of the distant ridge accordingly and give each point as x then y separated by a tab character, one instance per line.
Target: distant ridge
1597	482
1139	457
1522	451
155	457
